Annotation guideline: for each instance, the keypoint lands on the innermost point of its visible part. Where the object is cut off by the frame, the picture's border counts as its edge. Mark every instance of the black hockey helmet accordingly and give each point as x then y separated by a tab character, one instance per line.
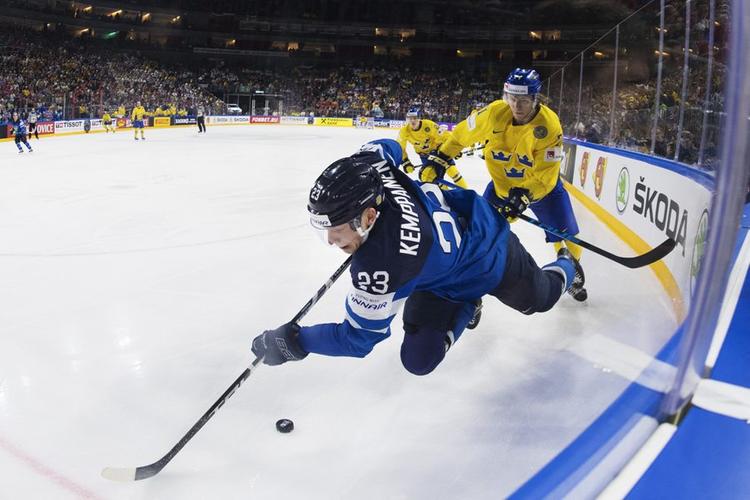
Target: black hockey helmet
343	191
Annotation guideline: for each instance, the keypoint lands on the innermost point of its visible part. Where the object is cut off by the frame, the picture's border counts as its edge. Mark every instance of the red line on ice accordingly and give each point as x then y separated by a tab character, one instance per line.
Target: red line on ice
47	472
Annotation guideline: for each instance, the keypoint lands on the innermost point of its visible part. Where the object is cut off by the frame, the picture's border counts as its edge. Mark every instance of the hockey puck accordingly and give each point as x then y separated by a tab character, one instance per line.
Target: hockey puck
285	426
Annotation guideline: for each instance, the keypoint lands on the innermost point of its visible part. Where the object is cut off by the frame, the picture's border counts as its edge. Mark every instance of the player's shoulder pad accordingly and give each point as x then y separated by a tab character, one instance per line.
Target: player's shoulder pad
551	119
386	149
549	131
484	115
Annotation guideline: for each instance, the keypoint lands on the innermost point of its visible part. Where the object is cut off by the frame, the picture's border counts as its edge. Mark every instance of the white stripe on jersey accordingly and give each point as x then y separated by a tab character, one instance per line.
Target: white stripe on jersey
373	307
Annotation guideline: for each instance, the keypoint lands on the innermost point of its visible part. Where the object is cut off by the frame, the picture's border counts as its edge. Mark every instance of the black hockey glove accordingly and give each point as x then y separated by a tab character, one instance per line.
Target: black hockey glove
435	166
407	166
517	202
279	346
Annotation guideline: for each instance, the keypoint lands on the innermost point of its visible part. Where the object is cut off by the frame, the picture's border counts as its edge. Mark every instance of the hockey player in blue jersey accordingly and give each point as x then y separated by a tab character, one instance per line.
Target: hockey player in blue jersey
433	252
19	130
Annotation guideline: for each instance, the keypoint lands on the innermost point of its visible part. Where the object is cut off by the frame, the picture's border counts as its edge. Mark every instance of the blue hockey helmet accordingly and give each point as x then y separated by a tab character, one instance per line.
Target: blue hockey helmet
344	189
413	112
522	81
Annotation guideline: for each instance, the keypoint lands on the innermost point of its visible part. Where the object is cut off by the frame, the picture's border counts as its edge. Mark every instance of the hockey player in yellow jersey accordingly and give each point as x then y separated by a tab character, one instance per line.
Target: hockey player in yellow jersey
107	122
137	116
426	137
523	152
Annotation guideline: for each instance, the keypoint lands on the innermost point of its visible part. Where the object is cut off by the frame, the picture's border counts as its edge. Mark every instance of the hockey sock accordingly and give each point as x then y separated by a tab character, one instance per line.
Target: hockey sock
563	268
575	250
458	179
465	314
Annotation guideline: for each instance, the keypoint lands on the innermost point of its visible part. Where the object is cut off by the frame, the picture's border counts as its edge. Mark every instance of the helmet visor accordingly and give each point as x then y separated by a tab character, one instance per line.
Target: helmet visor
347	236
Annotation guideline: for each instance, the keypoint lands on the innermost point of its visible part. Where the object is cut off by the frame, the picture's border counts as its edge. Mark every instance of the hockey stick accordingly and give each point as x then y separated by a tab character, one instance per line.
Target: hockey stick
654	255
472	149
144	472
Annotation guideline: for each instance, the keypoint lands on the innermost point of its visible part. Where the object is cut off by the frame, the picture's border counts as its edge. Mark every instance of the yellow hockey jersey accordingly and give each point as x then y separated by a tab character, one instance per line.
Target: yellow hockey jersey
425	139
526	156
106	117
138	113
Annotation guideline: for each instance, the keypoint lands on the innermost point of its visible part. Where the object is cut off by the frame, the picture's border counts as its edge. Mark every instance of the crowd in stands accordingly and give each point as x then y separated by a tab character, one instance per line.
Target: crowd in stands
630	123
633	117
62	77
351	91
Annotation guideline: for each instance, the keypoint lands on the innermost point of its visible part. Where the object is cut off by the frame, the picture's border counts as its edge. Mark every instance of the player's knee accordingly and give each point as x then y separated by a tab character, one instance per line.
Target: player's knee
422	349
538	303
418	364
544	306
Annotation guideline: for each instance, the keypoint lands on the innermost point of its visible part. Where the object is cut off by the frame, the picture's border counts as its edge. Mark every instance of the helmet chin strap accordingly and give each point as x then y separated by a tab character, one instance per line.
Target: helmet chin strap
364	233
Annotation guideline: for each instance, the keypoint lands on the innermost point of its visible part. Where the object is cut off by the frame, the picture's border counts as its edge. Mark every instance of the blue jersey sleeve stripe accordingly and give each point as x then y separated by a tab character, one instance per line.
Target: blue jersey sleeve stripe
353	322
368	324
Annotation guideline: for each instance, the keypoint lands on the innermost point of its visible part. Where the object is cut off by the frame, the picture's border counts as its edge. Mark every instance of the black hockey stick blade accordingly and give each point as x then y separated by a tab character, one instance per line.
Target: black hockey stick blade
654	255
646	259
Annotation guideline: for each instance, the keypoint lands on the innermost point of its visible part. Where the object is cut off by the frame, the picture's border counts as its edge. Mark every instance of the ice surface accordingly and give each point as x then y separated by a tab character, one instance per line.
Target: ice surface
133	276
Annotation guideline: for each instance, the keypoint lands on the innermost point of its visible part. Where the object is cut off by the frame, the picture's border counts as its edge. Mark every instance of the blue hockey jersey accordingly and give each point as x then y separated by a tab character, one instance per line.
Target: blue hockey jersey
451	243
19	127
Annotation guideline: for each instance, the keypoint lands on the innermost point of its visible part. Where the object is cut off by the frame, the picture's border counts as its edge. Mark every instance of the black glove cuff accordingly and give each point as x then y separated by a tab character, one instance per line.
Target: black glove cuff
442	156
295	348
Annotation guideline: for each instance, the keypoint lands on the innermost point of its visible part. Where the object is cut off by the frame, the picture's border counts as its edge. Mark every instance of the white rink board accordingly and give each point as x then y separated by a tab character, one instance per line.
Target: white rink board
655	203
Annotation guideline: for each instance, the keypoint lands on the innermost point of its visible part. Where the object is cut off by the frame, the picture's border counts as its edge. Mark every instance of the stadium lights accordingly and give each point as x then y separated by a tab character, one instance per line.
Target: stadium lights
175	19
146	16
88	9
115	13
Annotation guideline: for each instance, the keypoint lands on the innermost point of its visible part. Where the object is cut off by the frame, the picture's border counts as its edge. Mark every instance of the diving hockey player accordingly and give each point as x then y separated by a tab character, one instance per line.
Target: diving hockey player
426	137
523	151
139	112
19	131
434	252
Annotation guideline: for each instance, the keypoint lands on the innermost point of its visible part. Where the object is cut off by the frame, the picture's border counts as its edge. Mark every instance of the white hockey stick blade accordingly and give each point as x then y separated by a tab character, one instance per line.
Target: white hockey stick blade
122	474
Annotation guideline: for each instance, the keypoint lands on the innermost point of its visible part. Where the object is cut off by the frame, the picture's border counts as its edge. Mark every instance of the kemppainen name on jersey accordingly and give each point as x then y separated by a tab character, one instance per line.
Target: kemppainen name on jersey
410	234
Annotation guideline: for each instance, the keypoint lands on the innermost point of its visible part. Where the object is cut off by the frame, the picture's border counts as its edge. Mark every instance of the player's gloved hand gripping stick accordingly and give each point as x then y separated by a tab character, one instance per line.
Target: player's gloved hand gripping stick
648	258
146	471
